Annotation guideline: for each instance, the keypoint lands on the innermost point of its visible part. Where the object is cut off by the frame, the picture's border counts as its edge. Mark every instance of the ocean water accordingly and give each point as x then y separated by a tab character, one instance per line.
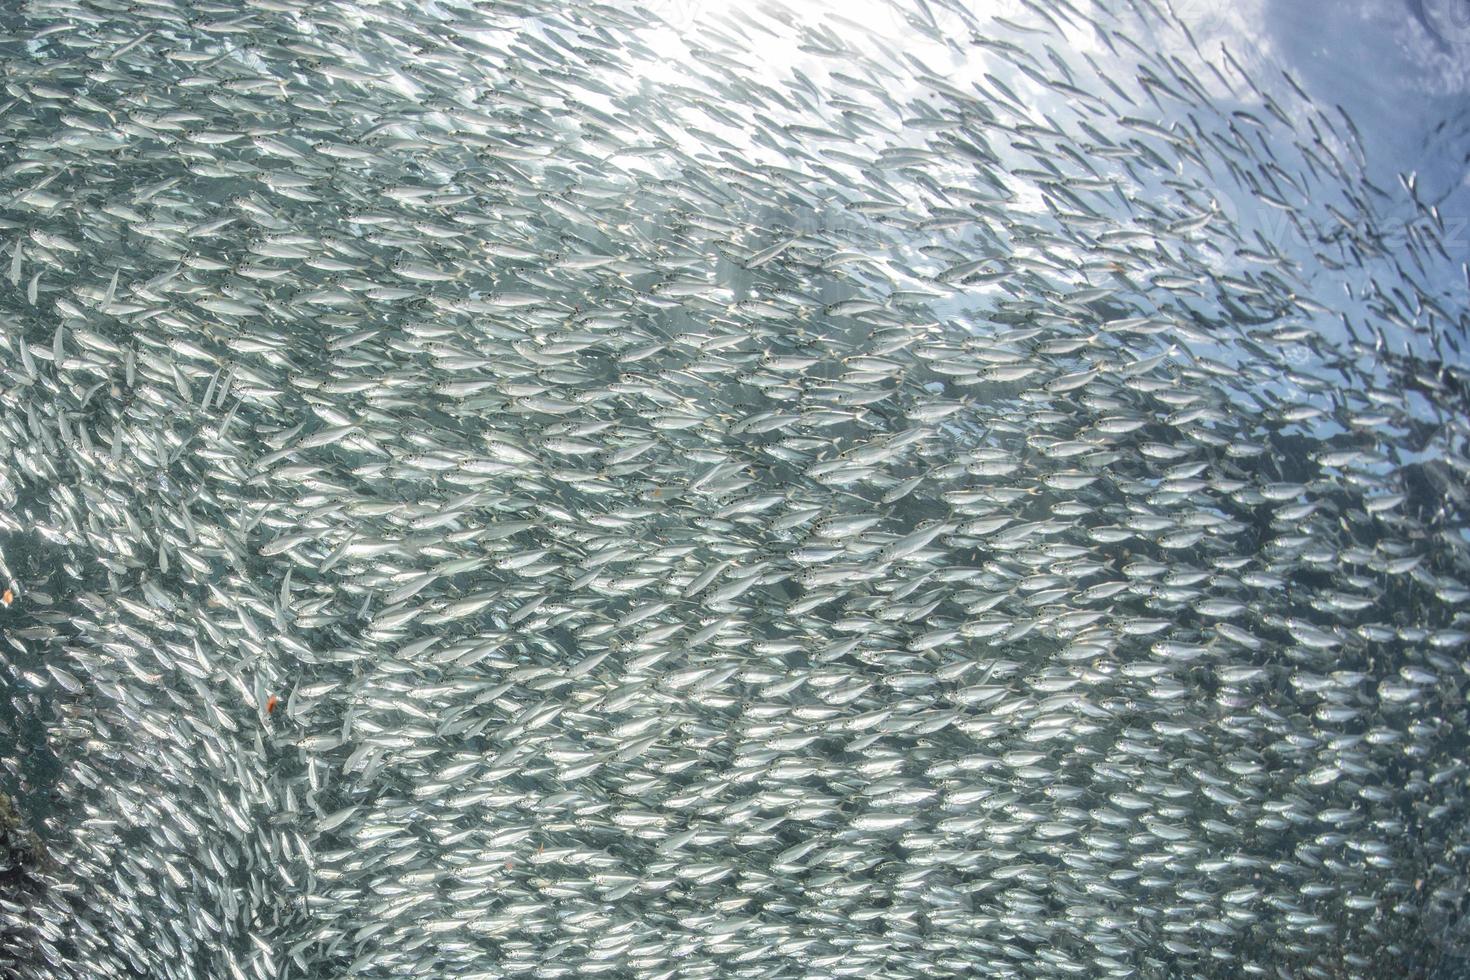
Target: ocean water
705	490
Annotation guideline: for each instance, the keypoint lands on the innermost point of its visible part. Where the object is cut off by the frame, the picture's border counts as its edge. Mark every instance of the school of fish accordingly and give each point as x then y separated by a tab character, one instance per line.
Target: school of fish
506	489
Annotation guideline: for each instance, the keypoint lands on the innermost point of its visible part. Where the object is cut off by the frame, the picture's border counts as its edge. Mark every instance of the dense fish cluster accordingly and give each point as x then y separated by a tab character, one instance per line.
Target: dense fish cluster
503	490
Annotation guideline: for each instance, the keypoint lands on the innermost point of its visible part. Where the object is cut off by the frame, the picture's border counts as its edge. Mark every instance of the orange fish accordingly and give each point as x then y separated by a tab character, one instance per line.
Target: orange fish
270	704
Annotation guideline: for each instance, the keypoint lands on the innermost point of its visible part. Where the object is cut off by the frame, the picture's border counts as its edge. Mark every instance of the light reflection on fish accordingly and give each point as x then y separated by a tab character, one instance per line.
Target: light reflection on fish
479	501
